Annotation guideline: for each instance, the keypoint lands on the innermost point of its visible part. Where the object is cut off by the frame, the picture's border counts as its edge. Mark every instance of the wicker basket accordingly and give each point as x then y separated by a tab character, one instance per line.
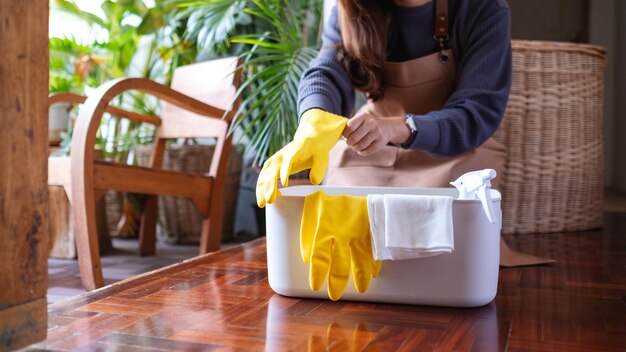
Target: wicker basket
553	133
181	221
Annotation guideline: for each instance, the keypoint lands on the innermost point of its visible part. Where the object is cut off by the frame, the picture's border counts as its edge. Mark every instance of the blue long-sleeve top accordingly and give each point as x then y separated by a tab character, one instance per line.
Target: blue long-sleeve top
480	40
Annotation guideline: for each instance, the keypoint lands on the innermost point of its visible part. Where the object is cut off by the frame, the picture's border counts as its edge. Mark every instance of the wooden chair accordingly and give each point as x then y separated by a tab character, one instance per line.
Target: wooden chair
200	103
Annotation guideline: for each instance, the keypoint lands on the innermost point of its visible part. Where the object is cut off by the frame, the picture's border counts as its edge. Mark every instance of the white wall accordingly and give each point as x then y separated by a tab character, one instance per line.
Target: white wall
602	32
619	117
607	28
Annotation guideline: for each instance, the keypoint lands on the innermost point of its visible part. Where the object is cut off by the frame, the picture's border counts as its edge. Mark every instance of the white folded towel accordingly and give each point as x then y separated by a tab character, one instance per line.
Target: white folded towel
376	212
410	226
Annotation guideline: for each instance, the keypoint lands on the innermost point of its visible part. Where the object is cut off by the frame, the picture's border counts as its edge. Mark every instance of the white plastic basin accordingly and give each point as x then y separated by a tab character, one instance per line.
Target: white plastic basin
468	277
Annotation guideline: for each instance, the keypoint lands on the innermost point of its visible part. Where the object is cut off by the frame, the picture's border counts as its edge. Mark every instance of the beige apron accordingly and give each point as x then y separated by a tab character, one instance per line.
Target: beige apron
418	86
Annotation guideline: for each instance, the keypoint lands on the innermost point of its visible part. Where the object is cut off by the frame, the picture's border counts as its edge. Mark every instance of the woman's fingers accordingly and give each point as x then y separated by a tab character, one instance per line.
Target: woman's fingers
356	129
370	138
365	134
373	147
352	125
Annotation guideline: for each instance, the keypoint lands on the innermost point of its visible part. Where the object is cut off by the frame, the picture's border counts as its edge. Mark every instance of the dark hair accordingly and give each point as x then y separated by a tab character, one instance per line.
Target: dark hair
363	51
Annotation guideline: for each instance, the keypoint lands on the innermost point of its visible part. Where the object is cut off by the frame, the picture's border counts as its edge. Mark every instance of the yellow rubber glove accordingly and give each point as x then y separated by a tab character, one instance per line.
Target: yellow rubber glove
317	133
334	236
340	337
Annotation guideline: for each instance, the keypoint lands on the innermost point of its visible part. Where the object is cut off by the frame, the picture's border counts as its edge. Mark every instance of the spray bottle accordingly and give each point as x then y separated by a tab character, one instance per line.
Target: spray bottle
477	184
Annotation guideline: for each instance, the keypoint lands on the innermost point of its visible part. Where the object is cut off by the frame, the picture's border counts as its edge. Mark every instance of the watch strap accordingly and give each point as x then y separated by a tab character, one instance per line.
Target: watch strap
412	128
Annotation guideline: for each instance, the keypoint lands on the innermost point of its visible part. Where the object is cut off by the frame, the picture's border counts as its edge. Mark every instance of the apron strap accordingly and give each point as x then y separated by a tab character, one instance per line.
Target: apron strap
441	20
441	35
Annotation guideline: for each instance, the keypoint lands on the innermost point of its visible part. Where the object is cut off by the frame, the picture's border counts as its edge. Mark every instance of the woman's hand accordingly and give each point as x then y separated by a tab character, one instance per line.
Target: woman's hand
367	134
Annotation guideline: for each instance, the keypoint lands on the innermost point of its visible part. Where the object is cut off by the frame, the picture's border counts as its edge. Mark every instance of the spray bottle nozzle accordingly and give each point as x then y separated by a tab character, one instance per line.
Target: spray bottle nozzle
476	184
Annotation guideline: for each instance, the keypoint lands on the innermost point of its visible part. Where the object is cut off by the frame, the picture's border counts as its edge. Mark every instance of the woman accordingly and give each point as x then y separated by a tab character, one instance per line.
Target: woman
437	79
436	75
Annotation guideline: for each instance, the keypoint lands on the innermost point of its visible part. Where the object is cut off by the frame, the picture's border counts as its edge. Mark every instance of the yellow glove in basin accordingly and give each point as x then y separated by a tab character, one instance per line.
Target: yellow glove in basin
317	133
334	236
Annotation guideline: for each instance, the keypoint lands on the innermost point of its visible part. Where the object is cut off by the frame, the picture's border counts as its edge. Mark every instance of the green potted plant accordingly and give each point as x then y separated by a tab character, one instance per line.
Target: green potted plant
139	41
158	39
134	40
277	39
73	68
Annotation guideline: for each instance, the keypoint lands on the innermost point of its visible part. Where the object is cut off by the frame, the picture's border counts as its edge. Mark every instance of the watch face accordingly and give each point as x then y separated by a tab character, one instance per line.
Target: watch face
411	124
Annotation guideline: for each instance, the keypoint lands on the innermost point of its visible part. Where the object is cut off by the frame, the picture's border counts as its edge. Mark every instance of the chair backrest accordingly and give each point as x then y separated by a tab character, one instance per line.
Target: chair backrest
212	82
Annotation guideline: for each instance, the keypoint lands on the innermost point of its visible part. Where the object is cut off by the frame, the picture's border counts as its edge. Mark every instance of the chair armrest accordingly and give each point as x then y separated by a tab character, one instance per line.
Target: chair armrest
97	103
79	99
90	115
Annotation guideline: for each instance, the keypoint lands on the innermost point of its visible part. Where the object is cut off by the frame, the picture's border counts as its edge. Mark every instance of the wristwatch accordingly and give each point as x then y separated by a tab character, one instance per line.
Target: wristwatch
410	124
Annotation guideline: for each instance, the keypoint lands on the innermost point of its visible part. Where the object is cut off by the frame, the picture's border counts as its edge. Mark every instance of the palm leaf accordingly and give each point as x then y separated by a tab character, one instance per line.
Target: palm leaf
279	38
273	64
210	23
70	7
269	111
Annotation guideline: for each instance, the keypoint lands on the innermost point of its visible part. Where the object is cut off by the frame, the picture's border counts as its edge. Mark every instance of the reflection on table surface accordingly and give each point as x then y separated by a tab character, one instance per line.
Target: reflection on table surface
222	301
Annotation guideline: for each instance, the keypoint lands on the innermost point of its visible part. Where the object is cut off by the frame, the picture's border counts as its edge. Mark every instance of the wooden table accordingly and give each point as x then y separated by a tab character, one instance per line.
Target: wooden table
222	301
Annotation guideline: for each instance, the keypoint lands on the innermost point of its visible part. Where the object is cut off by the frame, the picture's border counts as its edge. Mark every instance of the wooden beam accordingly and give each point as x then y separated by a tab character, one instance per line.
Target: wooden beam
23	172
23	324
